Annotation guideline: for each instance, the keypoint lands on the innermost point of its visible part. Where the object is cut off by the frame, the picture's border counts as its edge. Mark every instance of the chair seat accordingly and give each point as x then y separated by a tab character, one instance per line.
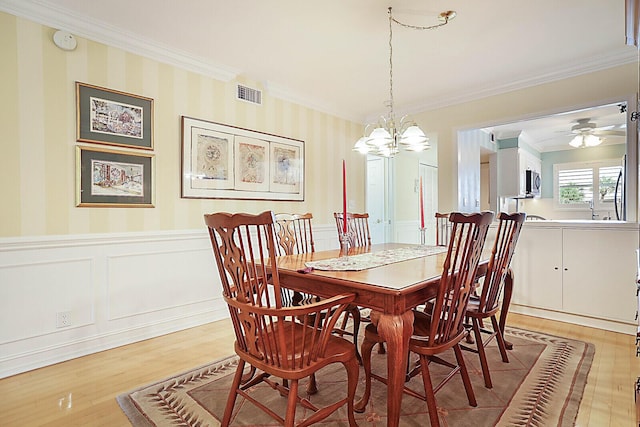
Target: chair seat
338	349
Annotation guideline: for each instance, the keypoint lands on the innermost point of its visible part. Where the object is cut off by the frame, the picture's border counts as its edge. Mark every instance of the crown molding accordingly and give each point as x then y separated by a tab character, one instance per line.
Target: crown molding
602	62
49	15
45	13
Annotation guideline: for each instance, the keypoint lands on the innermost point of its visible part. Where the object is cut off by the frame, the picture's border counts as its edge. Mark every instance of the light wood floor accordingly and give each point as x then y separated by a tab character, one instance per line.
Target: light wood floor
82	392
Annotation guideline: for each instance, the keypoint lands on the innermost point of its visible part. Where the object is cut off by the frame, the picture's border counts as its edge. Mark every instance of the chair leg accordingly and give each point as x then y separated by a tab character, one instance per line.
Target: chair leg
500	338
312	386
367	347
465	376
353	370
355	312
233	393
482	354
428	392
289	418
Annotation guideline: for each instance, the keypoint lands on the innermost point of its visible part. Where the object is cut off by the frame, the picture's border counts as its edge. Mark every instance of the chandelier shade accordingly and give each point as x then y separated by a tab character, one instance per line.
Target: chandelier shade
389	135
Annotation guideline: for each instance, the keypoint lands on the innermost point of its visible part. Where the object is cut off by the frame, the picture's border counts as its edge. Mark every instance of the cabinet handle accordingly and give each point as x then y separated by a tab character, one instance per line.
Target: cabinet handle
555	268
565	269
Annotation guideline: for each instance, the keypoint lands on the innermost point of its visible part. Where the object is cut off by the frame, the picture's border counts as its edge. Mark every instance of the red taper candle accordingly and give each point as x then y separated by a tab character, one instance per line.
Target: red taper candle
344	197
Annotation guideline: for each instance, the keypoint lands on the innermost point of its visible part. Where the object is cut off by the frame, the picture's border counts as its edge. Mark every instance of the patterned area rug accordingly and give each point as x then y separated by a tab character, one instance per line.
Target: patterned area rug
541	386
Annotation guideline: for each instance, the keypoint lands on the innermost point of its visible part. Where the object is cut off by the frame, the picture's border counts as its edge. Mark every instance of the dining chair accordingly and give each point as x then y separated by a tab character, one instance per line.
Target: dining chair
443	228
294	235
266	338
357	227
487	304
443	327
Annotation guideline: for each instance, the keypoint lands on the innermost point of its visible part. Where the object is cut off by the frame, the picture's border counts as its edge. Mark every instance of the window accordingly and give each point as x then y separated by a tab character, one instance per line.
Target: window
577	183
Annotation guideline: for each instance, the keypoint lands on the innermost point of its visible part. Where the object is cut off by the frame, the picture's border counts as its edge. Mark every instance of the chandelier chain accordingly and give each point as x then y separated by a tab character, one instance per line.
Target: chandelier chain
444	16
391	63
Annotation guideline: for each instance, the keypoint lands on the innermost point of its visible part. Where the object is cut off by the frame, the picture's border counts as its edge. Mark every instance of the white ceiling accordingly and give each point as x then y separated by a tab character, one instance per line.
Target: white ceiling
333	54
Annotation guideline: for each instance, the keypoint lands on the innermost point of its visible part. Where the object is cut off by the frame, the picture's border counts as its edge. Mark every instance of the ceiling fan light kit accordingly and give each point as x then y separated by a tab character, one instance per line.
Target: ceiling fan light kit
589	135
585	140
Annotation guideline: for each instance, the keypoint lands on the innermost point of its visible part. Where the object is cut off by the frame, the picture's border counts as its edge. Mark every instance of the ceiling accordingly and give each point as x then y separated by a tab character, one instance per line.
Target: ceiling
332	55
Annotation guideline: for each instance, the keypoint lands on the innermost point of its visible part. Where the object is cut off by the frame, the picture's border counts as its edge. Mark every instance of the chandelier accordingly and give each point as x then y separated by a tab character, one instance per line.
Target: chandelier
389	134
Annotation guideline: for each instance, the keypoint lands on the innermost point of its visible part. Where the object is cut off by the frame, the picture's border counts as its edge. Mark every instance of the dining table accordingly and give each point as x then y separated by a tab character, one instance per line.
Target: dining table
391	285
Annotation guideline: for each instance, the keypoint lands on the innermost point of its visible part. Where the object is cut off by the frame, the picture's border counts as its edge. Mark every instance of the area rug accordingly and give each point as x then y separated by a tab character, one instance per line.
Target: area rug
542	385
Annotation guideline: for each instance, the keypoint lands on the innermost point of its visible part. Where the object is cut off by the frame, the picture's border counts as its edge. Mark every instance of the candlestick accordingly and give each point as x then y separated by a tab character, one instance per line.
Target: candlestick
421	206
344	245
344	197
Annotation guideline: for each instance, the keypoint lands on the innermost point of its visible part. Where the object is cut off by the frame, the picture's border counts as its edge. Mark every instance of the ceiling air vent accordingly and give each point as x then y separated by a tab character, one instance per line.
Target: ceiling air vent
248	94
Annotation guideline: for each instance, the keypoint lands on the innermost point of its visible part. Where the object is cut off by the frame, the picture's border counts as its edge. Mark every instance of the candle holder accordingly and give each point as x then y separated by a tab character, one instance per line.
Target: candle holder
344	244
423	235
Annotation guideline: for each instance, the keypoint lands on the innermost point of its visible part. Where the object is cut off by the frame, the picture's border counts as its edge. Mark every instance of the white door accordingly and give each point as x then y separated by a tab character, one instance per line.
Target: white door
429	176
376	198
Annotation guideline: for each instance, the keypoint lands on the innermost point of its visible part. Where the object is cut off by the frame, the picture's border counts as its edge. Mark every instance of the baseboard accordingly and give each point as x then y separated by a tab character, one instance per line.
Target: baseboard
592	322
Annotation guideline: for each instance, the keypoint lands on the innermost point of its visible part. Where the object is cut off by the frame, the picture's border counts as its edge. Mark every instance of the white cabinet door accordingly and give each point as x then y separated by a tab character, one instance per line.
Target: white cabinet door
599	273
537	267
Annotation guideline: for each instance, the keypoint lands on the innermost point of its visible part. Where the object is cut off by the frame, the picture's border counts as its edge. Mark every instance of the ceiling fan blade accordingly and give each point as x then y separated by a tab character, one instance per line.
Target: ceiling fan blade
610	133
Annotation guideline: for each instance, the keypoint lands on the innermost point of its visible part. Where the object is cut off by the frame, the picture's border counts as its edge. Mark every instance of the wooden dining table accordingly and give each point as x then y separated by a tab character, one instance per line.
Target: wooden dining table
393	290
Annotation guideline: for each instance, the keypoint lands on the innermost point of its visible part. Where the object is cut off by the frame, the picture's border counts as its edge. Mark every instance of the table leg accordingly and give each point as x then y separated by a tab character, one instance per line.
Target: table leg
506	300
396	331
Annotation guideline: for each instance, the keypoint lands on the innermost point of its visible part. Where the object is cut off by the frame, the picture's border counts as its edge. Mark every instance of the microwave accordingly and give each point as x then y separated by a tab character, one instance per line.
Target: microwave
532	183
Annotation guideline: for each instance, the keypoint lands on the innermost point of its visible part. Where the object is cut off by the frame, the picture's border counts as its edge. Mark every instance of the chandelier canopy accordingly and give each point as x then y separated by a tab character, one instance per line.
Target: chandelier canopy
388	134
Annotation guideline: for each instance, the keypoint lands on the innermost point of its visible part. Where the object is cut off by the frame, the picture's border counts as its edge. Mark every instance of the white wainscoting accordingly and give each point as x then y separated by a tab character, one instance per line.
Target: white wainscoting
114	289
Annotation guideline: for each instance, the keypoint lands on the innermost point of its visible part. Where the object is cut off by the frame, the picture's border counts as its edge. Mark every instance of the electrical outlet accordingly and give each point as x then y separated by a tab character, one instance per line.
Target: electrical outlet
63	319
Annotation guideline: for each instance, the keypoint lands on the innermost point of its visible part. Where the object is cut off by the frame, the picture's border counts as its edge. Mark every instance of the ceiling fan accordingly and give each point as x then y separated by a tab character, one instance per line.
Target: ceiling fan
588	134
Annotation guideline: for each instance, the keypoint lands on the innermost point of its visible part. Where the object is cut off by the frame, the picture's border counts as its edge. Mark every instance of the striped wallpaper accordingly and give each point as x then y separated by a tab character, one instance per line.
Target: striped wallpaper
37	117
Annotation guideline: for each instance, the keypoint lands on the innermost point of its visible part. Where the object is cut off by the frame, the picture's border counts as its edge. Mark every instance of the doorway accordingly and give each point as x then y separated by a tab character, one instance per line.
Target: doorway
376	195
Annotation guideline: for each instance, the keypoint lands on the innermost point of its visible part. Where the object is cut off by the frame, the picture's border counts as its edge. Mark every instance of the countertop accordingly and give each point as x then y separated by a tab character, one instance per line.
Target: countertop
583	223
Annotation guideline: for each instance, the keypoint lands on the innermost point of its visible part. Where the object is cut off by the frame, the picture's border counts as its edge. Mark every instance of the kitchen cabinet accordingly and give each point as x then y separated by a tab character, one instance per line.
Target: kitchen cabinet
537	268
582	270
512	164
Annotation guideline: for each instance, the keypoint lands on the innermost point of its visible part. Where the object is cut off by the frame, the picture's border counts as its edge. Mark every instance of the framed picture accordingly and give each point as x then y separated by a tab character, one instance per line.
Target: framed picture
111	117
113	178
227	162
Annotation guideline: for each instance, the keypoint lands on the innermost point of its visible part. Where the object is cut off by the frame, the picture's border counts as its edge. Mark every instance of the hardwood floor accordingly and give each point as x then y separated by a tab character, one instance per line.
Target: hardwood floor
82	392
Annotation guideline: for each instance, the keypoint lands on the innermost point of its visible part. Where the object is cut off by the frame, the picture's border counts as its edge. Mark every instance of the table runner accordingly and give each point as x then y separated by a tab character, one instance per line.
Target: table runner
374	259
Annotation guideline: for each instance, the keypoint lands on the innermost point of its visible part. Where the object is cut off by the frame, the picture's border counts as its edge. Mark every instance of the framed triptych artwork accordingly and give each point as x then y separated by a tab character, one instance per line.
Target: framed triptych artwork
222	161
